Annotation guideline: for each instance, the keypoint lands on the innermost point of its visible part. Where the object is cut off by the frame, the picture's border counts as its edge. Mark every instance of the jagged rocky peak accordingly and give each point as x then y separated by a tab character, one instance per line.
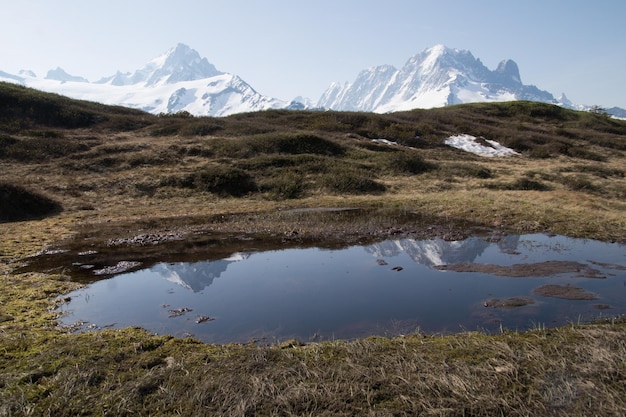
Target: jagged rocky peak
508	69
181	63
28	73
437	76
442	56
59	74
563	99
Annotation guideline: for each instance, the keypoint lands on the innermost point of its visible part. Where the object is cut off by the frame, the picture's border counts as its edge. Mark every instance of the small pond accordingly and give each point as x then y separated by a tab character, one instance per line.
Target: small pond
388	288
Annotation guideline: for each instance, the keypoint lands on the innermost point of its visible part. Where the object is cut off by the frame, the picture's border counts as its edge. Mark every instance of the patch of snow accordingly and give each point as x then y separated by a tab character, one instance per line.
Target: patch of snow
392	143
385	141
468	143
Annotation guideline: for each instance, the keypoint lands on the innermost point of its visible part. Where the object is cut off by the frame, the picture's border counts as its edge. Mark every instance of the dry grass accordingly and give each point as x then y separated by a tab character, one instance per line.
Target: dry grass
575	370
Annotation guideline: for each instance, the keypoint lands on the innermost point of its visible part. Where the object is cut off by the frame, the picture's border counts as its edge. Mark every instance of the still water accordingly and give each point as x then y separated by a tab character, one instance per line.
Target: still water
389	288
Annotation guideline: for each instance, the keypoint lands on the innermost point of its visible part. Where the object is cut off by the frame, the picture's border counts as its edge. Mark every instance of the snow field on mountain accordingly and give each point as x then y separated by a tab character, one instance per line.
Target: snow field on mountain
470	144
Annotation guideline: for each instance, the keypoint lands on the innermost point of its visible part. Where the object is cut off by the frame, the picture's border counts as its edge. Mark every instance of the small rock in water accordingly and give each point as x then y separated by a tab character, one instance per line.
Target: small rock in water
178	311
382	262
202	319
121	266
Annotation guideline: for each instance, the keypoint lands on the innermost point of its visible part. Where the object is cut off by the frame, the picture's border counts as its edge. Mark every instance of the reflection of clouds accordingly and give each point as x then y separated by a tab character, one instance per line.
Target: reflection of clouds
198	275
440	252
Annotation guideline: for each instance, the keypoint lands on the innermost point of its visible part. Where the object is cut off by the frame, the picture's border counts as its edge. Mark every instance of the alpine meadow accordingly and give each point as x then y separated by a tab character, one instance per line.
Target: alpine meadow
110	178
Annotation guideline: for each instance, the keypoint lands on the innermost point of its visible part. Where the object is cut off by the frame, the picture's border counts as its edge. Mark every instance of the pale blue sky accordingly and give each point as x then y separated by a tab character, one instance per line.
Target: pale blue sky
285	48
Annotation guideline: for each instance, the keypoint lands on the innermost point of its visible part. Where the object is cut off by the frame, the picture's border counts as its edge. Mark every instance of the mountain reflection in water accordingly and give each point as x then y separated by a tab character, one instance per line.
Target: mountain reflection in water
435	252
199	275
195	276
388	288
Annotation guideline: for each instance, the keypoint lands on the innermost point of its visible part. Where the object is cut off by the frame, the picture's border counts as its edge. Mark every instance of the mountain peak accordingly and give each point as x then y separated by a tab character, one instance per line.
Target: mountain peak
180	63
508	69
59	74
179	53
437	76
429	56
441	56
438	49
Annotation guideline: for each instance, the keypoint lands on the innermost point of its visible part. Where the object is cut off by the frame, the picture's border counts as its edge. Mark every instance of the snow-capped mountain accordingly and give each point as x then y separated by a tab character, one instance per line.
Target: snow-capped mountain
181	80
178	80
178	64
437	77
60	75
196	276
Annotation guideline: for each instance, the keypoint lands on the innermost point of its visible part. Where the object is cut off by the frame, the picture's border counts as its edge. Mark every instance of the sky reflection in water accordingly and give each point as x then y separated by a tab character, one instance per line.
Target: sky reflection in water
316	294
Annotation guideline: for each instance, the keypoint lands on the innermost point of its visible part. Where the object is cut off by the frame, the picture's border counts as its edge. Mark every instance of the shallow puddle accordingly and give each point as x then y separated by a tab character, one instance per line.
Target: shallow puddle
388	288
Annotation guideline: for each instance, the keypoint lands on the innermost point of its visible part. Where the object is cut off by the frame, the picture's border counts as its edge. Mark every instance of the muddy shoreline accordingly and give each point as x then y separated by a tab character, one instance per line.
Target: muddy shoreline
114	247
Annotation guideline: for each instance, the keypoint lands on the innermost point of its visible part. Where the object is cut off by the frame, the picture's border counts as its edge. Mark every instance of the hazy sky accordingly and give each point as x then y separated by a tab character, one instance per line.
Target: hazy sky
286	48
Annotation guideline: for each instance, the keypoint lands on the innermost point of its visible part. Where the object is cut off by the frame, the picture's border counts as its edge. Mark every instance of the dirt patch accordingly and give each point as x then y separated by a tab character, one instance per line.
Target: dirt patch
540	269
512	302
566	292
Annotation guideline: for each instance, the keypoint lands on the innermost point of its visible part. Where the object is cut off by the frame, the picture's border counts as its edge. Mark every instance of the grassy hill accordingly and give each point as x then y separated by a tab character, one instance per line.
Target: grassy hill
70	168
87	153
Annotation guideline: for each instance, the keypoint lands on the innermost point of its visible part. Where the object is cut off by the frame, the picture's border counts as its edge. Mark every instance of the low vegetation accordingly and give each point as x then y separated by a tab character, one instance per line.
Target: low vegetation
66	165
17	203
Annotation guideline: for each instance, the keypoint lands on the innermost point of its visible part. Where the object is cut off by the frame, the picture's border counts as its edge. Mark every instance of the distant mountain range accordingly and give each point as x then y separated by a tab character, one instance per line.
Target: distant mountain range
178	80
181	80
437	77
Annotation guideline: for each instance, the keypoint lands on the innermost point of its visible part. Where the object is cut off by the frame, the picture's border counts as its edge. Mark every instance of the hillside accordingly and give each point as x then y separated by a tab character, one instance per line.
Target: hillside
104	176
87	154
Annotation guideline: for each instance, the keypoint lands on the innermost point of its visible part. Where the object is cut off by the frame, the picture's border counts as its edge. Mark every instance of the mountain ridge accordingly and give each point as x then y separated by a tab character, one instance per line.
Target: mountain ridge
181	80
436	77
180	63
177	80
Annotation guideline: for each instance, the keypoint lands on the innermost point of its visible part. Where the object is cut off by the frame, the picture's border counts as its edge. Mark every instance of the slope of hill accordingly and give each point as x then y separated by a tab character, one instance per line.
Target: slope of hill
284	155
